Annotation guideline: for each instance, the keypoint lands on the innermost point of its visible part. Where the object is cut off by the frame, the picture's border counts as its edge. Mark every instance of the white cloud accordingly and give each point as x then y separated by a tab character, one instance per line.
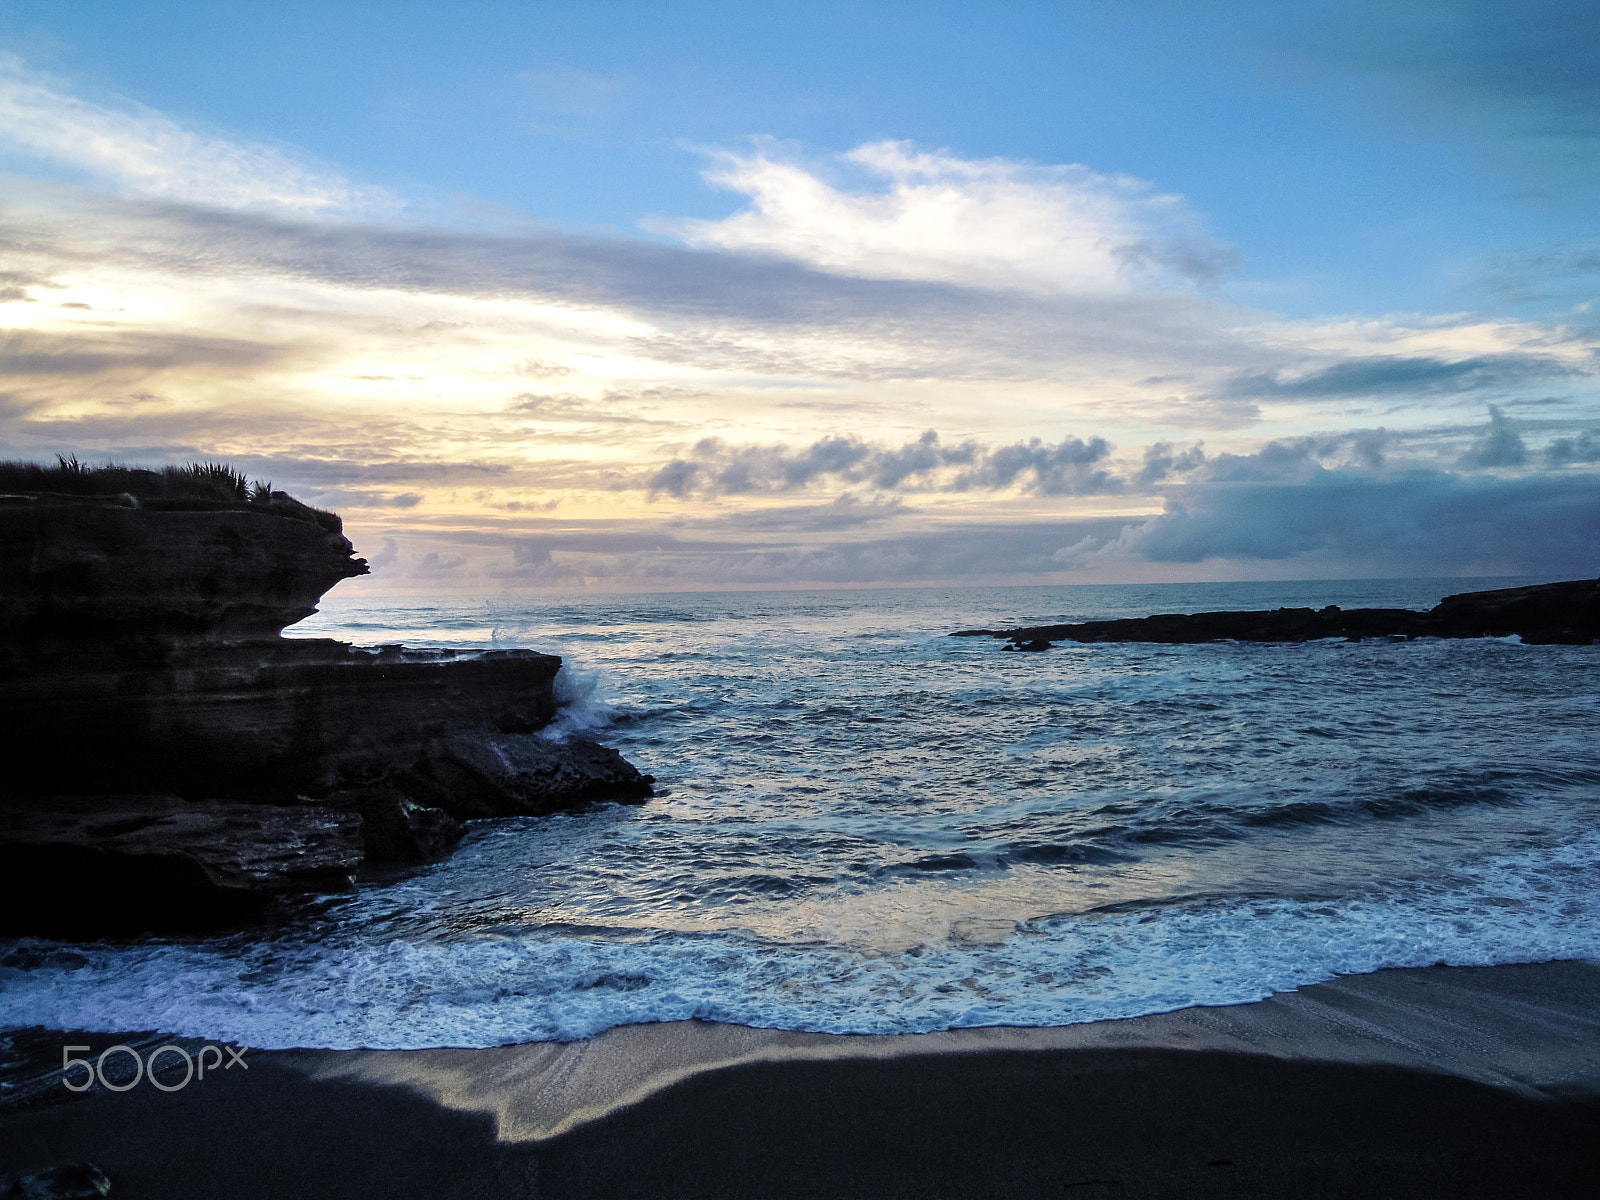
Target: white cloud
769	384
990	222
146	153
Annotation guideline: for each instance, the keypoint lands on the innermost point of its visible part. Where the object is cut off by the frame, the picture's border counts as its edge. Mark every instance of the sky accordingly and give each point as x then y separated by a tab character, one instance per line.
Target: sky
679	296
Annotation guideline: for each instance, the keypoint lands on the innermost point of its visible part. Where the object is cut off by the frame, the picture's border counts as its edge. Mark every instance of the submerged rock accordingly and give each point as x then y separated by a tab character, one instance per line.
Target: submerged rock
1551	613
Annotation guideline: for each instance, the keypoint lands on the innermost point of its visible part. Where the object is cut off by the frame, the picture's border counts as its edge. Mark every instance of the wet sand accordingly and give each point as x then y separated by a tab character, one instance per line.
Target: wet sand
1436	1082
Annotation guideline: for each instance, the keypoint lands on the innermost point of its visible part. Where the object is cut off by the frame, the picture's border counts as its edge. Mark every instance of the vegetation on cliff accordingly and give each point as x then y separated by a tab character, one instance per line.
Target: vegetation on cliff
196	485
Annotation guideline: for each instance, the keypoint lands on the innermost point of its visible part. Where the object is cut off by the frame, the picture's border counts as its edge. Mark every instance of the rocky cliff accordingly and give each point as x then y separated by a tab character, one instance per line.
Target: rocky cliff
96	566
171	761
1552	613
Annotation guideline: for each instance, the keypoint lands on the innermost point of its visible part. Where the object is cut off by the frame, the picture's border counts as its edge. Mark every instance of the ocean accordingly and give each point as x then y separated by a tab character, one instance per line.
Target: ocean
867	826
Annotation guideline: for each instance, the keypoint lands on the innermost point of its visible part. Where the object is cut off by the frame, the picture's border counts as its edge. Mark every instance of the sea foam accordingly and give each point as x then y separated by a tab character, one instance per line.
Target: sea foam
865	826
1058	971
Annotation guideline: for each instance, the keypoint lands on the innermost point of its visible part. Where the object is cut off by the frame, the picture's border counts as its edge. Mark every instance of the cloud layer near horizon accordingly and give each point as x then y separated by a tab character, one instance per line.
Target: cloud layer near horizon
892	365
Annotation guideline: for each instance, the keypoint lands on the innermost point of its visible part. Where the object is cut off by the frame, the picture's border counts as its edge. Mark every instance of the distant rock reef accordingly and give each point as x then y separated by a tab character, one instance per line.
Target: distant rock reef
172	762
1549	614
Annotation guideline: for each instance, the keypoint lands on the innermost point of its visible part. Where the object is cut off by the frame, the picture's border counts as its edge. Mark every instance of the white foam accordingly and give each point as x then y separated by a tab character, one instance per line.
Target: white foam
581	706
1511	908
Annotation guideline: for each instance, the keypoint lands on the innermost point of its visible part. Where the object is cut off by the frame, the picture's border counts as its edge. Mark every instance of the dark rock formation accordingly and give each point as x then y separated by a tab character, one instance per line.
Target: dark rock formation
395	828
1552	613
1033	645
490	775
261	720
172	761
93	565
121	864
72	1181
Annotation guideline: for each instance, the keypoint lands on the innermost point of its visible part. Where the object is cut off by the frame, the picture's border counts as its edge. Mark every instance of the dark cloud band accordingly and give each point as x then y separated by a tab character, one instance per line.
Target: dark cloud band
1071	467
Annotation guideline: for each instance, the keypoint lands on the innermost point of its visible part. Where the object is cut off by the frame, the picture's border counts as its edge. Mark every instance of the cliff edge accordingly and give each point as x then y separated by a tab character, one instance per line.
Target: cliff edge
173	762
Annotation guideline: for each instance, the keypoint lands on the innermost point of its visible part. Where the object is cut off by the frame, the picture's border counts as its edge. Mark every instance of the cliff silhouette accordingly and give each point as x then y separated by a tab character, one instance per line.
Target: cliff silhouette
174	762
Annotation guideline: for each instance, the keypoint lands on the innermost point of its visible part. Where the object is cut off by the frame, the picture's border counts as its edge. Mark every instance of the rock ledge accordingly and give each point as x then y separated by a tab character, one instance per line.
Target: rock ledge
1551	613
173	762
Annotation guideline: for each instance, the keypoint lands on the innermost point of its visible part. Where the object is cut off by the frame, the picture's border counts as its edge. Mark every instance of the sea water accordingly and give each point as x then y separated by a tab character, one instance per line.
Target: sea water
866	826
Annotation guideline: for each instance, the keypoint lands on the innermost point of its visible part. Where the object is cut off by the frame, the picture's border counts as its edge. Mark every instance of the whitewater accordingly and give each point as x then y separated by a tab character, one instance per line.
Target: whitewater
866	826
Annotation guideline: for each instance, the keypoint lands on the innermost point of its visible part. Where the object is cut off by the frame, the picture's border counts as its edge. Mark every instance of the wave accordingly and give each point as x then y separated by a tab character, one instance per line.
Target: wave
581	708
833	774
1133	959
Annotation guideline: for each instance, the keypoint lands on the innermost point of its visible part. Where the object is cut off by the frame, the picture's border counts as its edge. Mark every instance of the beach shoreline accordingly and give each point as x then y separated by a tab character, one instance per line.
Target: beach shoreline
1443	1081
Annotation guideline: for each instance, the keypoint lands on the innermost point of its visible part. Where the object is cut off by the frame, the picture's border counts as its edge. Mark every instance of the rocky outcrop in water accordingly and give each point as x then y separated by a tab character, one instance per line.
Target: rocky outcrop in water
1552	613
172	761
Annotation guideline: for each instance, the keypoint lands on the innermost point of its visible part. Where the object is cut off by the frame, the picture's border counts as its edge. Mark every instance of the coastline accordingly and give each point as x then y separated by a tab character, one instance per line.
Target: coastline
1449	1080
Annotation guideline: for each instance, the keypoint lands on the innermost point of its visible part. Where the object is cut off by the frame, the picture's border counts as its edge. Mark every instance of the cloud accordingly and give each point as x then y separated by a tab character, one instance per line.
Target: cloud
1068	468
1566	271
385	558
14	286
564	408
146	153
679	314
1584	448
709	289
451	387
1530	73
359	498
805	547
1388	375
716	468
1497	446
434	565
845	512
1281	460
1368	447
1413	523
1519	84
79	355
534	565
990	222
1266	515
1163	460
1303	460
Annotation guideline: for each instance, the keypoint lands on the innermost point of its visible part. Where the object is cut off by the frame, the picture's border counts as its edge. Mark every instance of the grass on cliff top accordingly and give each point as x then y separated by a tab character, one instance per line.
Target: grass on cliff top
197	481
205	484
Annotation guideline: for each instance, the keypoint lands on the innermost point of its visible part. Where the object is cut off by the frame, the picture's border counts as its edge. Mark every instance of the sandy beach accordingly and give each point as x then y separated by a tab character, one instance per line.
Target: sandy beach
1431	1082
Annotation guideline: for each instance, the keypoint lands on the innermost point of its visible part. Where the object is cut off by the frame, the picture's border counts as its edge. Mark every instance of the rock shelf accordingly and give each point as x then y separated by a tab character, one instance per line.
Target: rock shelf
1551	613
172	761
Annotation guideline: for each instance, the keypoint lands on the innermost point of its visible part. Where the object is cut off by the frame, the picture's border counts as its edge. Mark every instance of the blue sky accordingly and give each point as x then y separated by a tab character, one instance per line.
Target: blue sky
1373	155
669	258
